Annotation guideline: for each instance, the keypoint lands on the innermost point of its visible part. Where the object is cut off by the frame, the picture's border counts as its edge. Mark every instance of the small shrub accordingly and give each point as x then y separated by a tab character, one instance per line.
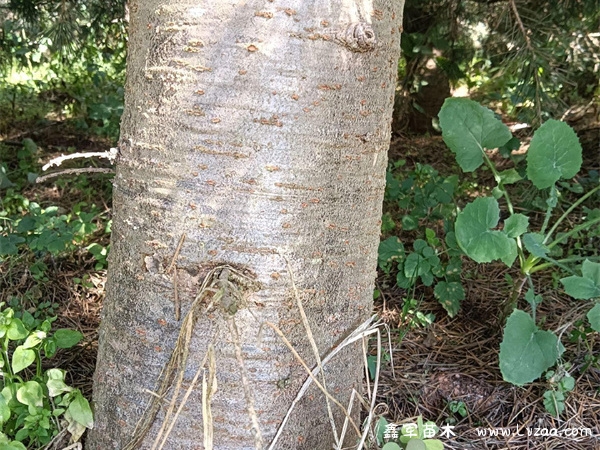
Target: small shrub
35	403
553	158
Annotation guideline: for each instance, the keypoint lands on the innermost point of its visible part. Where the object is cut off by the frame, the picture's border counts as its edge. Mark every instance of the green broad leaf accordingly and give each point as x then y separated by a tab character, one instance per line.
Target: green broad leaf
34	339
402	281
567	383
57	387
415	266
586	286
592	214
58	245
554	402
390	250
16	330
27	223
434	444
516	225
591	271
415	444
532	298
56	382
438	271
510	176
534	243
428	253
554	153
476	237
8	244
13	445
46	326
73	427
4	410
444	193
22	358
22	434
580	287
450	294
391	446
468	128
79	409
434	261
409	223
431	237
427	278
66	338
55	374
497	193
31	394
594	317
28	320
454	267
9	393
372	365
50	348
526	352
419	245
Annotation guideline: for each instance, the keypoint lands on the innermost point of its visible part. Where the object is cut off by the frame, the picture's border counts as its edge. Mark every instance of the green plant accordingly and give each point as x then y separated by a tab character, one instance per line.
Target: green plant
554	154
44	229
100	253
34	402
48	230
411	317
458	407
26	223
560	383
425	264
421	196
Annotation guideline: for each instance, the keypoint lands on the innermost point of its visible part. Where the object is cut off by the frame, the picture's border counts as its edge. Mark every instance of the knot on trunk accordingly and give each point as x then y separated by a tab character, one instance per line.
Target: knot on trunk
357	37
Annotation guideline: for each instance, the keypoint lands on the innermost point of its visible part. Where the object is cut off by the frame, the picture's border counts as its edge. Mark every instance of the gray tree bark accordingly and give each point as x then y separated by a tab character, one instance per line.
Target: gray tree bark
254	133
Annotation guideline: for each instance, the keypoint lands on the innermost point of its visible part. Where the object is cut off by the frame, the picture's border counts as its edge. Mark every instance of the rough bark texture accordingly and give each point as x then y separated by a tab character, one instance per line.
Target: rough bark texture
259	130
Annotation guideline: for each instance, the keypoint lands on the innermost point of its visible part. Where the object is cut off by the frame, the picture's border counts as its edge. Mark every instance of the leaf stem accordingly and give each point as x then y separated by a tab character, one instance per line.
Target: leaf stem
568	211
7	369
551	206
498	179
38	363
533	304
509	204
575	230
512	302
551	263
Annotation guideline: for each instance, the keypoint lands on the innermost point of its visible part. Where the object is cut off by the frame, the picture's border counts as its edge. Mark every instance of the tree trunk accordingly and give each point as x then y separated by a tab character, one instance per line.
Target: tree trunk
253	152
